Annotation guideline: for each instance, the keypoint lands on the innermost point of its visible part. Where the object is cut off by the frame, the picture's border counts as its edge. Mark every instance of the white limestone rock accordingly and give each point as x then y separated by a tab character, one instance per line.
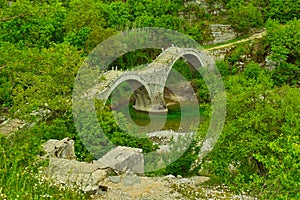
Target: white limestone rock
123	159
60	148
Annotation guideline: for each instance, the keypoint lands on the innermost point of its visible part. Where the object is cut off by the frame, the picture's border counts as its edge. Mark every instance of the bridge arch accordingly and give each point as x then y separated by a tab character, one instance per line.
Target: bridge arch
142	92
159	70
192	56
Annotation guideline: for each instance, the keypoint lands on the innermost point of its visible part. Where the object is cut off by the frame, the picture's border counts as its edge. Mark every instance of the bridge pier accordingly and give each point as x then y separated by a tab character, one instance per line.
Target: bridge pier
154	105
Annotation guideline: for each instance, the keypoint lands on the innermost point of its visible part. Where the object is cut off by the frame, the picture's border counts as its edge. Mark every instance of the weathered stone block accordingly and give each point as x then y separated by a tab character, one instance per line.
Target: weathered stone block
123	159
60	148
86	176
10	126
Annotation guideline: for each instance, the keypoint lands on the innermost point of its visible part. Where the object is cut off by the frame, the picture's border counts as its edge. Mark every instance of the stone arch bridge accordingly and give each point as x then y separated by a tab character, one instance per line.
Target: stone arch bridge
148	81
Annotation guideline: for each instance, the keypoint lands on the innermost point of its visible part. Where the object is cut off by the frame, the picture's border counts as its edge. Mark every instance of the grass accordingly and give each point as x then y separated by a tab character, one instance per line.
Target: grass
19	171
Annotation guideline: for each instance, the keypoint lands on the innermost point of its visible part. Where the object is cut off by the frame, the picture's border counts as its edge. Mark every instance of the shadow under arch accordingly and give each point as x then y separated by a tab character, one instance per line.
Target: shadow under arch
137	88
135	82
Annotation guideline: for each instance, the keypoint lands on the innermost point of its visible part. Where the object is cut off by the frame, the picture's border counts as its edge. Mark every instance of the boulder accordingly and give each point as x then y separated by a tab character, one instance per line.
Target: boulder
65	169
11	125
123	159
86	176
60	148
114	179
131	179
170	176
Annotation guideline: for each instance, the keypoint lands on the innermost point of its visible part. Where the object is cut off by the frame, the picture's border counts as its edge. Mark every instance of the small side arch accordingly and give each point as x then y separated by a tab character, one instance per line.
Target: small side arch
142	93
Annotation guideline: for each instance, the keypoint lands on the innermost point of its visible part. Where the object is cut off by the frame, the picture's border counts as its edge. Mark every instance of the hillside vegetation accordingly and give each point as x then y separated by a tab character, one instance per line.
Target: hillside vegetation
43	43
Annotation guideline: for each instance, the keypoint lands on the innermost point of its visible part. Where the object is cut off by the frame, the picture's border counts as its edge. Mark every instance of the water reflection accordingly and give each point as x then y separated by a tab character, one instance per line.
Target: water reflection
173	117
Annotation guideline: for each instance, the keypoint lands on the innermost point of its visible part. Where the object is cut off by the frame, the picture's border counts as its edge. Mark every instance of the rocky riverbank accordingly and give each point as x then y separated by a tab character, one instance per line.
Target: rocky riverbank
108	179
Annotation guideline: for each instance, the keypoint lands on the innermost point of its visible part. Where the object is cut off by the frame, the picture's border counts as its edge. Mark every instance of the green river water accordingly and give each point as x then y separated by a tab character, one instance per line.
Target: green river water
180	117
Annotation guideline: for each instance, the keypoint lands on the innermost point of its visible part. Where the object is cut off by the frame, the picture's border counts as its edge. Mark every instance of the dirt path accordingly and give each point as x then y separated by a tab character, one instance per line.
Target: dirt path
252	37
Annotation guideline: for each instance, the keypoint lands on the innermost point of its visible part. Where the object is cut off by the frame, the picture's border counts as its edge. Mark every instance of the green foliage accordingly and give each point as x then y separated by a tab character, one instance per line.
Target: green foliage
286	73
78	38
182	166
283	166
84	13
32	24
87	17
284	40
237	58
41	78
243	18
19	169
186	69
5	89
234	3
135	58
202	90
117	136
260	135
284	10
282	160
224	69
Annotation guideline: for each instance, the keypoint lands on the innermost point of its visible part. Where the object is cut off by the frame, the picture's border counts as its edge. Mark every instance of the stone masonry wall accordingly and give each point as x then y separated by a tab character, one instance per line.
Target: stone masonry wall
222	33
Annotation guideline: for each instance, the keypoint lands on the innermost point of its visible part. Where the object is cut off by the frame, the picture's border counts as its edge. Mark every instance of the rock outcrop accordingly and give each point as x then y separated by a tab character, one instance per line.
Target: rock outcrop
65	169
94	178
86	176
10	126
123	159
60	148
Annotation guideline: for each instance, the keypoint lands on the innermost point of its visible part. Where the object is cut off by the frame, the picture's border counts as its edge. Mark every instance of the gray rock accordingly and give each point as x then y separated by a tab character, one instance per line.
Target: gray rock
10	126
131	179
197	180
170	176
86	176
114	179
185	181
123	159
60	148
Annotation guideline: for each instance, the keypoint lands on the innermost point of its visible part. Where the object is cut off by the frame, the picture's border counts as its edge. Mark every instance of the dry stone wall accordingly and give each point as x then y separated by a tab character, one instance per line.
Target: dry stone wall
222	33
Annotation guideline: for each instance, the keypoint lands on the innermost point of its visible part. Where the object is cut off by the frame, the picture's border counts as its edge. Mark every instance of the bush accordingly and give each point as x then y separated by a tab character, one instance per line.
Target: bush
19	170
259	144
243	18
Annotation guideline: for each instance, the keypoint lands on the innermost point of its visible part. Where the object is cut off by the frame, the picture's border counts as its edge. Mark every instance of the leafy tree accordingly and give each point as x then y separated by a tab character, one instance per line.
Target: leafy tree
78	38
244	17
32	24
284	10
286	73
87	17
282	161
250	147
284	40
40	78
